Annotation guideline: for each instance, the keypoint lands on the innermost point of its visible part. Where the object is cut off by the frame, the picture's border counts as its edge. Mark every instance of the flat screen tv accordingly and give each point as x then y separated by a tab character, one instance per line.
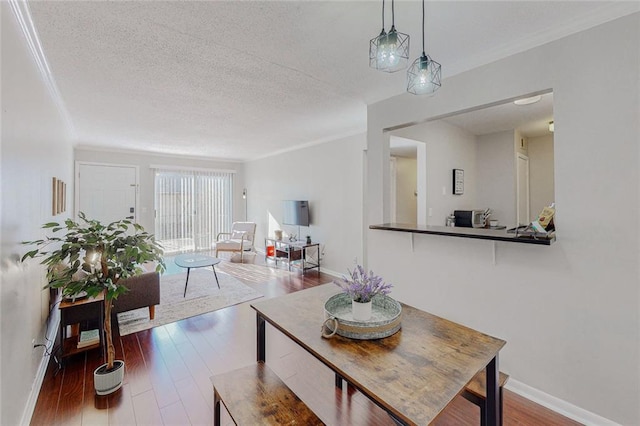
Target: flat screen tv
296	213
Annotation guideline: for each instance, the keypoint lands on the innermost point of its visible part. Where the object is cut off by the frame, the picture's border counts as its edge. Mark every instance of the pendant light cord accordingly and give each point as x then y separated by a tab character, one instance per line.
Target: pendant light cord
393	14
382	15
422	27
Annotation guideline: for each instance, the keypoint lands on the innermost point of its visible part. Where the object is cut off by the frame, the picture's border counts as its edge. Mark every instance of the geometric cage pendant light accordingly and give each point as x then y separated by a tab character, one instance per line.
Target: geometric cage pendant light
389	52
424	74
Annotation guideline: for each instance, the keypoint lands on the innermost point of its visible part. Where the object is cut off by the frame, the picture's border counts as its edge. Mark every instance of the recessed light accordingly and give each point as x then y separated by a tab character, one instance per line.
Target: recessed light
527	101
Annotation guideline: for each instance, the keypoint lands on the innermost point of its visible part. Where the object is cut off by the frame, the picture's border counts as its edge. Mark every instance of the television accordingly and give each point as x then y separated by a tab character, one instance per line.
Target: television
296	213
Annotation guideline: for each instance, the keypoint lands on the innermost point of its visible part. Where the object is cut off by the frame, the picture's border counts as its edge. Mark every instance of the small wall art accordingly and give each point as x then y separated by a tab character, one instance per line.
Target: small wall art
458	181
58	196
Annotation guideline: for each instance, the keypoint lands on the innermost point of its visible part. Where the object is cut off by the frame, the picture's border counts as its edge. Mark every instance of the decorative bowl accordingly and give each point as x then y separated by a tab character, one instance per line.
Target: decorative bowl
385	319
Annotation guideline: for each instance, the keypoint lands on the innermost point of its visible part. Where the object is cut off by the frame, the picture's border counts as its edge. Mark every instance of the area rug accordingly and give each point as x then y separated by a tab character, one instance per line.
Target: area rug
203	296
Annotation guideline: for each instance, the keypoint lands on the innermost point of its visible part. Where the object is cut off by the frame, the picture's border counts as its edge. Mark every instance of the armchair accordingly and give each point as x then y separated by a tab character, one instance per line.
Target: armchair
240	239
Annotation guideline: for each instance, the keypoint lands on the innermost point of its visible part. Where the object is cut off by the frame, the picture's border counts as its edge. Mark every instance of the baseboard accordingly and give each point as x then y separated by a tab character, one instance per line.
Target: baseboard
52	331
330	272
558	405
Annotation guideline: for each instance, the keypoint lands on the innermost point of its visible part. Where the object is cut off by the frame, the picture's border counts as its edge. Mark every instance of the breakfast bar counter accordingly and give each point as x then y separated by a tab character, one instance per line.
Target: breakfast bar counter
460	232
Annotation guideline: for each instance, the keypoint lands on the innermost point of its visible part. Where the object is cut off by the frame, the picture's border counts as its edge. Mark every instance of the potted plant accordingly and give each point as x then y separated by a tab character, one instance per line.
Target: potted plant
93	258
362	287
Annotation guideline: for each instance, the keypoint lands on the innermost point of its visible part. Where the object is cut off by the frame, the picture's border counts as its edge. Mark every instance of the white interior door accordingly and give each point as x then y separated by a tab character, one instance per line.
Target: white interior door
522	192
107	192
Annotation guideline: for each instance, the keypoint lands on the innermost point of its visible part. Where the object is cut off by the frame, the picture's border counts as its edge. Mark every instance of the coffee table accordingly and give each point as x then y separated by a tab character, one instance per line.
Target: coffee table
192	260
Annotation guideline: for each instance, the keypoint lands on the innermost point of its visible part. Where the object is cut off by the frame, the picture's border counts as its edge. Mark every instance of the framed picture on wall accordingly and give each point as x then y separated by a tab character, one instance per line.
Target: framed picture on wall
458	181
54	197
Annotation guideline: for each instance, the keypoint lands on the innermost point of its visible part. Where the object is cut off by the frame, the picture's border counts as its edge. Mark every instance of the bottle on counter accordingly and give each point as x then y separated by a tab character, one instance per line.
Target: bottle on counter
451	220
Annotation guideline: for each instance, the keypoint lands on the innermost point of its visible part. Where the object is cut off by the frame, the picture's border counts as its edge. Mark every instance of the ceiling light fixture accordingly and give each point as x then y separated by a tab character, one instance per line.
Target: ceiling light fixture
423	77
528	101
389	52
551	126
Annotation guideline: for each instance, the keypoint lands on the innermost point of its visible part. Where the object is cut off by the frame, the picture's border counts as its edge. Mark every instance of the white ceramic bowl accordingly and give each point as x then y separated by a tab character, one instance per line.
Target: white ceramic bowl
493	223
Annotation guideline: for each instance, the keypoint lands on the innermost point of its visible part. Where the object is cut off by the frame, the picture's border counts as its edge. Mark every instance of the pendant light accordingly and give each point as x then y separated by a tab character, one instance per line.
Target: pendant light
389	52
423	76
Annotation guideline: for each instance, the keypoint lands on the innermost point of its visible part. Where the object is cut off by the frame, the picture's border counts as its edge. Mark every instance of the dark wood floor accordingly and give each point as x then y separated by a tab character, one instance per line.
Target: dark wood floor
168	370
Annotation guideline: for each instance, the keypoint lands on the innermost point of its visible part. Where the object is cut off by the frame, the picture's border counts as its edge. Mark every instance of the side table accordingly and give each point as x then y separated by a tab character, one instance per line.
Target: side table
299	253
76	312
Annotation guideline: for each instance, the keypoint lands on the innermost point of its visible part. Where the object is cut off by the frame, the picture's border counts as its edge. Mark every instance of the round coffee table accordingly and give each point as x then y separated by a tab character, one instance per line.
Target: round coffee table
192	260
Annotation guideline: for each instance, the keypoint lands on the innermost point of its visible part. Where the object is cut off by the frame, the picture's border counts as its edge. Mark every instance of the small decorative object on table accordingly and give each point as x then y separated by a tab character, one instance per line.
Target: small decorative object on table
308	239
361	287
363	310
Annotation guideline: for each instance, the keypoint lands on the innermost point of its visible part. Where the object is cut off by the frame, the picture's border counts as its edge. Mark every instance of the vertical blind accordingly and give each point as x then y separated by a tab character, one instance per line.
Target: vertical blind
192	207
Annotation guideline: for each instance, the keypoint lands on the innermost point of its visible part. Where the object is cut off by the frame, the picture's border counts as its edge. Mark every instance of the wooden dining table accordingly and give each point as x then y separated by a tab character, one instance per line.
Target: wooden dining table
413	375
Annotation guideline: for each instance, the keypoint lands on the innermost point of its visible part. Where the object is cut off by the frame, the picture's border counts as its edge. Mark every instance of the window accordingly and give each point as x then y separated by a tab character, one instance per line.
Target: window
192	207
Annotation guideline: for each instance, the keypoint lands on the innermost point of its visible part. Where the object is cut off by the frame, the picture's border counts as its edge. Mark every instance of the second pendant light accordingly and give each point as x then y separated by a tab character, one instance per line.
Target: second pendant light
423	76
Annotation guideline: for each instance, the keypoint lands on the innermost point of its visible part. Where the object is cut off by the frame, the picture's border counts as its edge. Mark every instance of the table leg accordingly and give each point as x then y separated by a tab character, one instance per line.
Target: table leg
493	412
216	408
339	381
216	275
186	283
262	350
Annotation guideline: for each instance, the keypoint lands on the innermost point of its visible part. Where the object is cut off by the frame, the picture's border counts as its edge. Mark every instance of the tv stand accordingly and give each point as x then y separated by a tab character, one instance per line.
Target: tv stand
297	254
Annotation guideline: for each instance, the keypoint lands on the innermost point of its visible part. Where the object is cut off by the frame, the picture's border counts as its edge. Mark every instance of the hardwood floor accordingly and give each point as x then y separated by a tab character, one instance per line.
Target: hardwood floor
168	370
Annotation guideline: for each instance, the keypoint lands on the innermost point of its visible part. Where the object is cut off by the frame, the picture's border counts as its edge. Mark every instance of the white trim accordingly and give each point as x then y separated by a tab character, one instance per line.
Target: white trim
330	272
153	153
22	14
558	405
76	185
190	169
310	144
52	331
594	17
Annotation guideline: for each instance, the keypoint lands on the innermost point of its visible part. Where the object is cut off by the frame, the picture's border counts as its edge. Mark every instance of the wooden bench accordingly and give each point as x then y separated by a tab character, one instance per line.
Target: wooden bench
476	392
255	395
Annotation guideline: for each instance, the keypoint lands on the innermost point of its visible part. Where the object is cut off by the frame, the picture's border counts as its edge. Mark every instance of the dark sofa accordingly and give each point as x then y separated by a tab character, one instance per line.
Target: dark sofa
144	291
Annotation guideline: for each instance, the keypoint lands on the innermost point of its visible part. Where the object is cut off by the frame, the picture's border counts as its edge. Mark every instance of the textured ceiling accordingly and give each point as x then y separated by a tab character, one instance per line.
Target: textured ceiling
240	80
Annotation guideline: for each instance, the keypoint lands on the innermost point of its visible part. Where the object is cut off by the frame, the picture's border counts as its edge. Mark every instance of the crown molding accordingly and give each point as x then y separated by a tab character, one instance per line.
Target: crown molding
310	144
598	16
96	148
21	12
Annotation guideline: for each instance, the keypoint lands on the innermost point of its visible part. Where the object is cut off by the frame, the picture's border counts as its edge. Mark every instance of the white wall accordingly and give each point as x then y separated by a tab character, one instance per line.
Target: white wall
569	312
541	174
448	147
496	176
406	187
147	176
35	148
329	176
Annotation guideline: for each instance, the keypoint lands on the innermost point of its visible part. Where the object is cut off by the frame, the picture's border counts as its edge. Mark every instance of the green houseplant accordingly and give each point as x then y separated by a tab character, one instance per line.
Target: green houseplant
93	258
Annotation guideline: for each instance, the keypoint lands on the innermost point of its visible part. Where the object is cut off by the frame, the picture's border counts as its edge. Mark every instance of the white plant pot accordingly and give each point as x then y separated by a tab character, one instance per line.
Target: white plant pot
361	311
106	382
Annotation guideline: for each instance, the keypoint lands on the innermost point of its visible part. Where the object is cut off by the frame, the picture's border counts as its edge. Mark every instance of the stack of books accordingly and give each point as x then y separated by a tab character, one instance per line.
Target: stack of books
88	338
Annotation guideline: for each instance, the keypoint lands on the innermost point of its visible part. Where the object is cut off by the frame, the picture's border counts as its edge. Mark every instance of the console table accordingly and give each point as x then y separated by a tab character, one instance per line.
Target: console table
295	253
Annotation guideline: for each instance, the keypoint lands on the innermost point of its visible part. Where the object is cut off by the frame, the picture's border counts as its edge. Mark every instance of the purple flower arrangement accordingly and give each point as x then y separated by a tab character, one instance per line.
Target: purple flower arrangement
361	287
